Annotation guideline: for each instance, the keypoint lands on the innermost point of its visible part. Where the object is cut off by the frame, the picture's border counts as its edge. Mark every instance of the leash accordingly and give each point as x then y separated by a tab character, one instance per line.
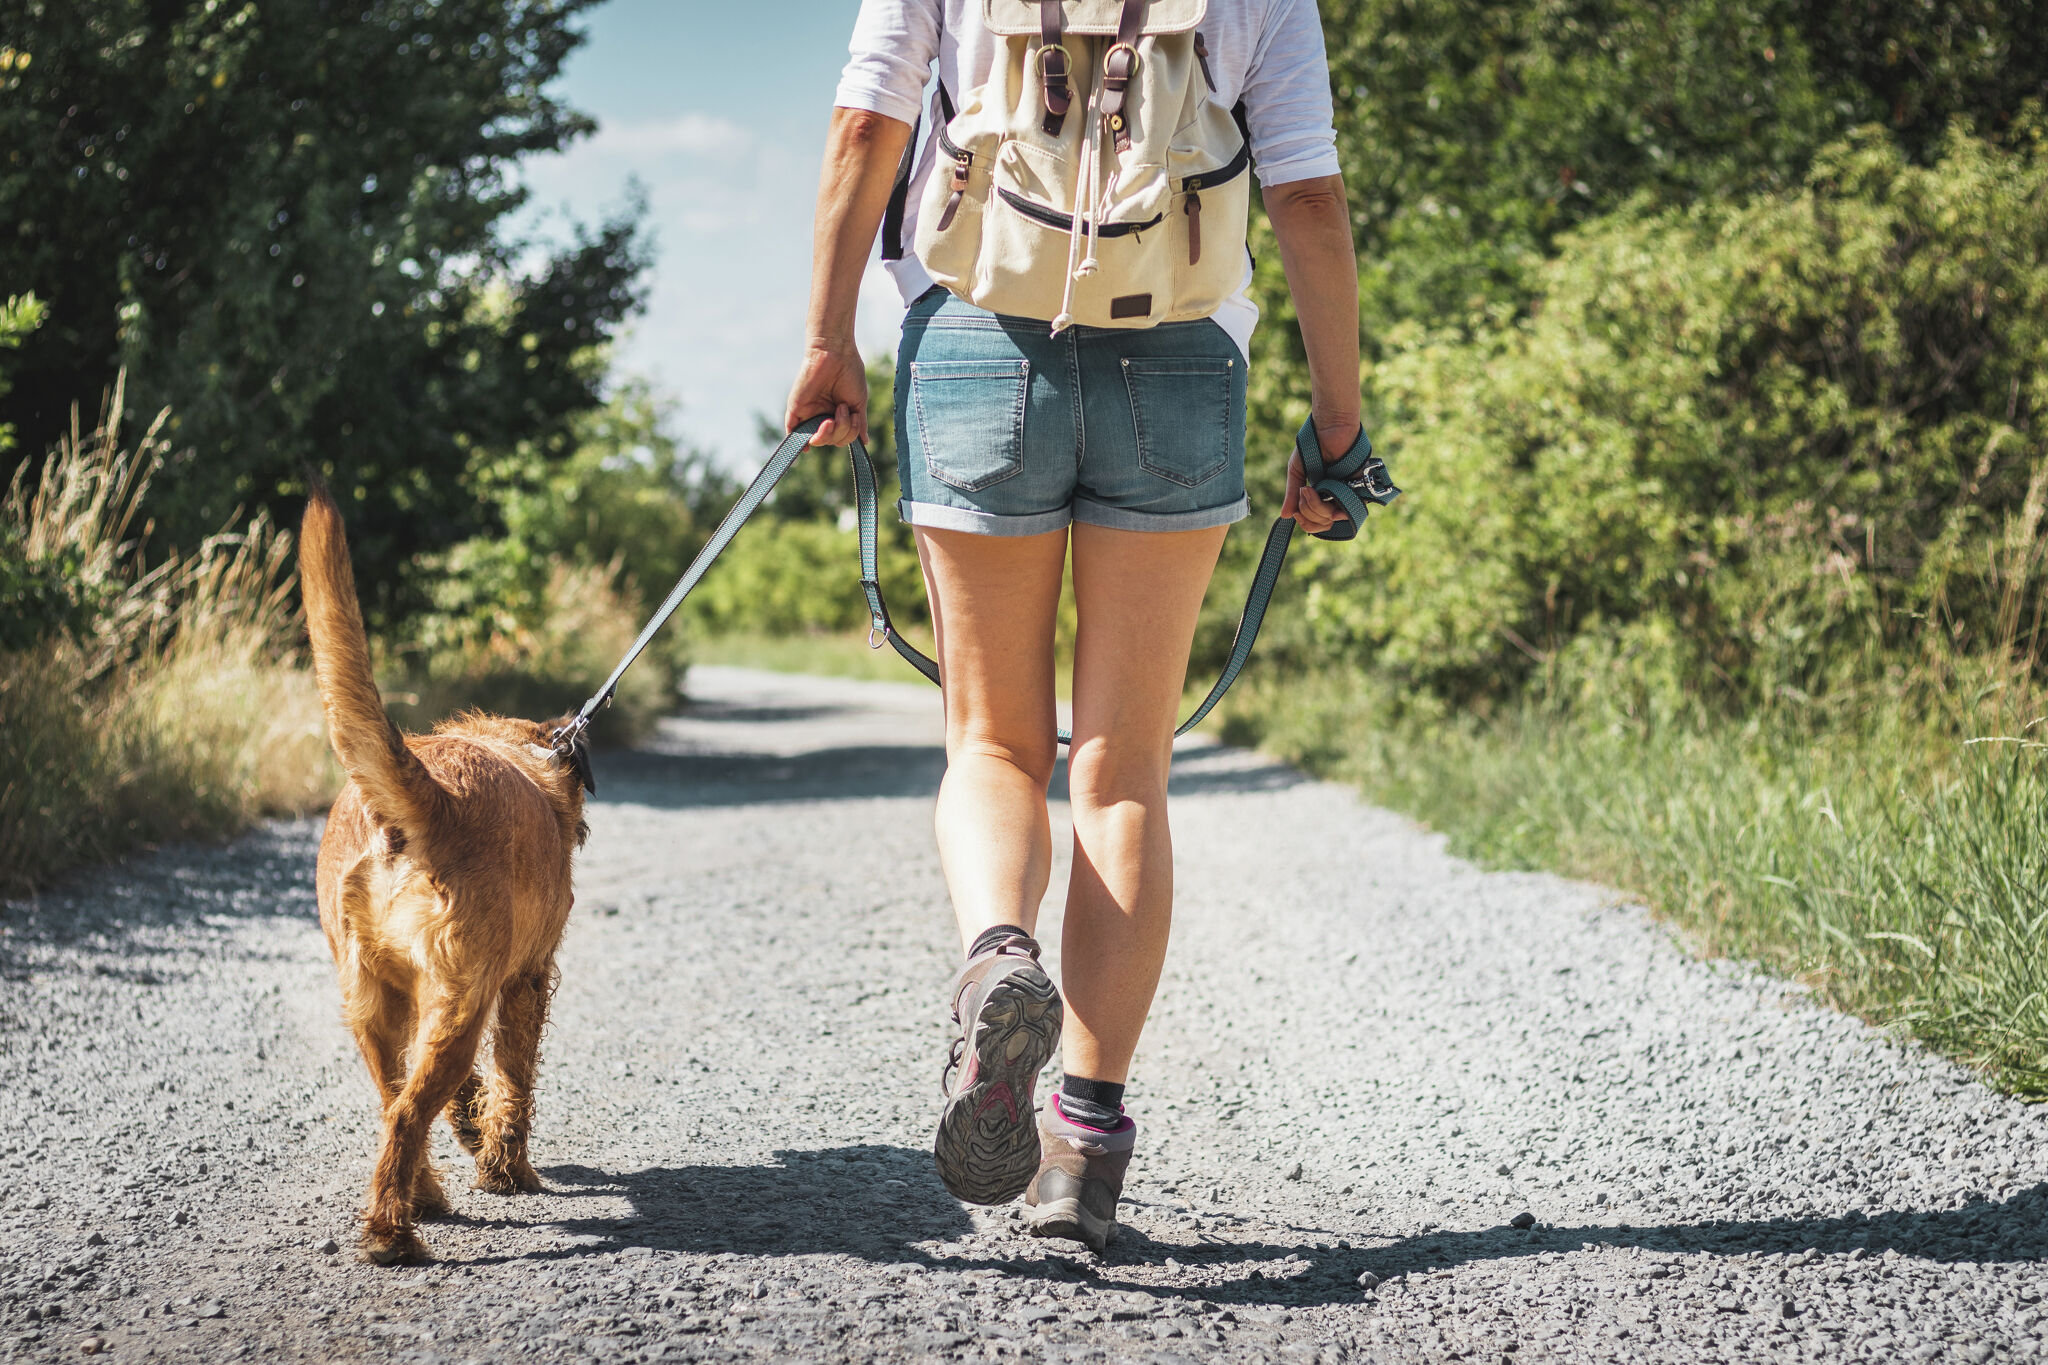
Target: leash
1354	481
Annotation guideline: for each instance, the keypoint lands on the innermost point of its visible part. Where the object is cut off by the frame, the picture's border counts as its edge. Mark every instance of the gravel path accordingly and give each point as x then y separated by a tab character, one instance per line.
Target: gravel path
1354	1081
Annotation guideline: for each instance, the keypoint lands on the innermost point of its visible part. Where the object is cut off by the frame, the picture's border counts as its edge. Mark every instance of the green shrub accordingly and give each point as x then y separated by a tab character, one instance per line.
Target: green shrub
1754	455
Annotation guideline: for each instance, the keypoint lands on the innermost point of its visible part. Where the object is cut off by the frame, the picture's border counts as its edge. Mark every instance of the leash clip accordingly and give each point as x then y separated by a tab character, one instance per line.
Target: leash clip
1373	482
572	749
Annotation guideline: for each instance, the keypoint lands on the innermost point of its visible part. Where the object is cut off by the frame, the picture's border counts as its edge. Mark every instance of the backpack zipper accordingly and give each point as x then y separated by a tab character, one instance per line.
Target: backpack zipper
1193	186
963	161
1039	213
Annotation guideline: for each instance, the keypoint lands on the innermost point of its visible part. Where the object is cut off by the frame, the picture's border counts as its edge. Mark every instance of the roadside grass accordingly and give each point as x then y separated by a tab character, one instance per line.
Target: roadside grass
171	701
543	667
1892	862
826	654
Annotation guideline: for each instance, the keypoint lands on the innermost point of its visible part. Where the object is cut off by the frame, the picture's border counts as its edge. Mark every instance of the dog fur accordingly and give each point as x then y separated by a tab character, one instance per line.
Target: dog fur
444	884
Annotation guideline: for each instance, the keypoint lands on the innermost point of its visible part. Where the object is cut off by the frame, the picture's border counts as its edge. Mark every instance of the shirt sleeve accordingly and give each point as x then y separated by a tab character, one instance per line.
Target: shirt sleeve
1287	97
894	42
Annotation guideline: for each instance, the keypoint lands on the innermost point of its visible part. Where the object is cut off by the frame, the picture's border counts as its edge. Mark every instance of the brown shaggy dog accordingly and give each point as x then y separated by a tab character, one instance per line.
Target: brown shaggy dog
444	886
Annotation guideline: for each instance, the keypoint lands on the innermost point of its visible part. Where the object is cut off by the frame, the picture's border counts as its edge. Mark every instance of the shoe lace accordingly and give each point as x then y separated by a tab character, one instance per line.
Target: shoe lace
959	1050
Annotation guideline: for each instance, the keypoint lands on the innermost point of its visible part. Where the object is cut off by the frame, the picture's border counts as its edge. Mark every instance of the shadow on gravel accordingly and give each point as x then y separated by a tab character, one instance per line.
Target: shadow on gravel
672	781
118	910
694	781
880	1203
2015	1230
1189	779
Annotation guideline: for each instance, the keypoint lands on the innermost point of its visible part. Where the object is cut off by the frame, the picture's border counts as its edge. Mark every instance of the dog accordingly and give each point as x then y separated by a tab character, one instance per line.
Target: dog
444	886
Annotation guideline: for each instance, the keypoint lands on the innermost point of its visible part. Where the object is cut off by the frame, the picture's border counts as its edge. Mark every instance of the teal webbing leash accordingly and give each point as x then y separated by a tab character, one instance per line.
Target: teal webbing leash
1353	481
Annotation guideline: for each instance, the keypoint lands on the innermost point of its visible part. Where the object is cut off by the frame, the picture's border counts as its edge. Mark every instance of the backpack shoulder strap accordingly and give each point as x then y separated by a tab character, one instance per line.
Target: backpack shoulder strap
899	194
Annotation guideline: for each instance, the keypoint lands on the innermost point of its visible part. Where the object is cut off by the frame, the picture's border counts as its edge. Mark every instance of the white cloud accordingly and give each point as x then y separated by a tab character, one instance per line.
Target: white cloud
730	213
689	134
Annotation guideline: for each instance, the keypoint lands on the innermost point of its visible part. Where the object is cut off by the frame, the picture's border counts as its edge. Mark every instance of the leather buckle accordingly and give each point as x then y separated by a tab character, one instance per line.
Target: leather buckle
1066	59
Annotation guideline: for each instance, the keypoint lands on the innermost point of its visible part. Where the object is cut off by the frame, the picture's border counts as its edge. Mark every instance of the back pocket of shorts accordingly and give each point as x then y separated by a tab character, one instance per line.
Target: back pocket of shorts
970	418
1181	410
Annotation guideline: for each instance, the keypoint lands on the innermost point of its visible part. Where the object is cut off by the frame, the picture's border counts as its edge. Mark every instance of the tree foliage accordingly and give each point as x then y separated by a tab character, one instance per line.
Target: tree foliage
286	221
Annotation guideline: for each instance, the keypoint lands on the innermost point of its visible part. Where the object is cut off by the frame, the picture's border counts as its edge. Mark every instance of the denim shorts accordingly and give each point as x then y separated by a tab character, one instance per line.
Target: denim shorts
1005	430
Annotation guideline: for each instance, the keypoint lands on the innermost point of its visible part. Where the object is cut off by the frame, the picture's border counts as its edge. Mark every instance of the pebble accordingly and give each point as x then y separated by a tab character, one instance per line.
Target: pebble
327	1246
1524	1221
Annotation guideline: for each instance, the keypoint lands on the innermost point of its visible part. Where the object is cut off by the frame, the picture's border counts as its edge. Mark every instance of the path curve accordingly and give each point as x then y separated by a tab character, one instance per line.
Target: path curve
1365	1069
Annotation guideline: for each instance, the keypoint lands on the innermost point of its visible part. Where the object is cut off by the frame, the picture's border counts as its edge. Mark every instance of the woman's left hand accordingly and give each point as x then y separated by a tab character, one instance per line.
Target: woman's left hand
1312	513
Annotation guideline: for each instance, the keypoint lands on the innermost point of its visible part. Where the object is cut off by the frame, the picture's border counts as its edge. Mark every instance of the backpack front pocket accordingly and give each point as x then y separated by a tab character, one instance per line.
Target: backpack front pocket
1183	410
970	418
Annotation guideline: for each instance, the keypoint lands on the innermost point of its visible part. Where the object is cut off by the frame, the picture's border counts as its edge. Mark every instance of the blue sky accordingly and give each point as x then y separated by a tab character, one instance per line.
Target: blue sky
719	110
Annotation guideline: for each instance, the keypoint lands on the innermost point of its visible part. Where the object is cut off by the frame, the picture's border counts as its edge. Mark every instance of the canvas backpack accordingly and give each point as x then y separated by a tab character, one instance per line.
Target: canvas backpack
1094	179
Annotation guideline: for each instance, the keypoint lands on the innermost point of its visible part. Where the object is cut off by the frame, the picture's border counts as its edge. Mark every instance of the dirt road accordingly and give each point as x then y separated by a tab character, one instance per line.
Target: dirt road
1367	1070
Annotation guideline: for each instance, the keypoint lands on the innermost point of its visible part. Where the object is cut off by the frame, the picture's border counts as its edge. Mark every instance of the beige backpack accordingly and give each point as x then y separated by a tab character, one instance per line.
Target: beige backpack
1093	179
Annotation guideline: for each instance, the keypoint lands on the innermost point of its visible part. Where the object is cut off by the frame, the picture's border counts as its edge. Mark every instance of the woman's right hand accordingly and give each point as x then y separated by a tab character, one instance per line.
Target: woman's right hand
833	381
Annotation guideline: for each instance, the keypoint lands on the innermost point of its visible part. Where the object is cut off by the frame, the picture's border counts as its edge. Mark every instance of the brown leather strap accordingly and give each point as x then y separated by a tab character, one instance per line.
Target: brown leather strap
1117	69
1052	65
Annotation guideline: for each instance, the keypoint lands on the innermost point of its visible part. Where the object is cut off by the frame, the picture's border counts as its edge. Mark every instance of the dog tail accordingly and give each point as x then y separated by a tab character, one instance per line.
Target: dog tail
398	790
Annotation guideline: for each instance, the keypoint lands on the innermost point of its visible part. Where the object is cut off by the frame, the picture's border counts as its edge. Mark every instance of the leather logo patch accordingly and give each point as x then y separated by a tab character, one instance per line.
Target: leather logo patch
1131	306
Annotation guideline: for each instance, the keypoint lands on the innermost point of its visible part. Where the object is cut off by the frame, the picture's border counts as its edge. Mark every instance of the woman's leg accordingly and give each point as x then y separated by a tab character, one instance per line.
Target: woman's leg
994	599
1139	594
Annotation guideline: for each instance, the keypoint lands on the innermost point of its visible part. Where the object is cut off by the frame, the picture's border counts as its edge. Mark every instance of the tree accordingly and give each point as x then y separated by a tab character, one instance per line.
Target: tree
286	221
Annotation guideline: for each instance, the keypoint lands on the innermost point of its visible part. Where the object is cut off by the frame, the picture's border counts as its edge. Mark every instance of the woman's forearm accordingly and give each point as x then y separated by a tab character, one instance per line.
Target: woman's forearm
861	153
1312	222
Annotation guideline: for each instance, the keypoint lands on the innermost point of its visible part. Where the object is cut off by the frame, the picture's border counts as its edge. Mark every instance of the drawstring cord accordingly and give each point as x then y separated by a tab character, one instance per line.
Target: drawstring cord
1085	212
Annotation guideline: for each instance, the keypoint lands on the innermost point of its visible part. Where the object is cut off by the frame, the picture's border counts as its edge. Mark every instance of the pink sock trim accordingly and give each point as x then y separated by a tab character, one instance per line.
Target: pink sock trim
1126	1123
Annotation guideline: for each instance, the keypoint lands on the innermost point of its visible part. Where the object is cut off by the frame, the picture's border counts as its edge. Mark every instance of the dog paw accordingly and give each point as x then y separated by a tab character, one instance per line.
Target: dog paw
429	1200
400	1247
509	1177
463	1115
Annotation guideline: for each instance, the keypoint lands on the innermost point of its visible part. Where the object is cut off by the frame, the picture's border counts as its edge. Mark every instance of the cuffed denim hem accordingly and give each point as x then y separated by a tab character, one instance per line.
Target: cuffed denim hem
1126	519
940	517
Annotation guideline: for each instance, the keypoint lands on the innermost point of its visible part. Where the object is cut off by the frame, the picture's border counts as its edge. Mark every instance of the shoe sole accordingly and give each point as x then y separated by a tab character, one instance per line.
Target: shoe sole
1068	1220
987	1144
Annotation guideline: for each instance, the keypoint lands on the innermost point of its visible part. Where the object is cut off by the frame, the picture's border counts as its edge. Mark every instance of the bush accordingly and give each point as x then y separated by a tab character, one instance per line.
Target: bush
1752	456
545	662
154	701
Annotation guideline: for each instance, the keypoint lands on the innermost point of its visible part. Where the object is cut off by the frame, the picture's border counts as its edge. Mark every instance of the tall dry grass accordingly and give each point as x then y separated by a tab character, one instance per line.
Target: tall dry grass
174	703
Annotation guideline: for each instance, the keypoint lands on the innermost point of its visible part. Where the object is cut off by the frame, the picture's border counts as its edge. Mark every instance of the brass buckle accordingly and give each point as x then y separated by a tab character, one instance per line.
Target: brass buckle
1121	47
1066	57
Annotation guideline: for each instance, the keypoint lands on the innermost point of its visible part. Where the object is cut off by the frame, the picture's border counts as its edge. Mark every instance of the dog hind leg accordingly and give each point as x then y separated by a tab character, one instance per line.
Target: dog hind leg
449	1030
466	1111
502	1166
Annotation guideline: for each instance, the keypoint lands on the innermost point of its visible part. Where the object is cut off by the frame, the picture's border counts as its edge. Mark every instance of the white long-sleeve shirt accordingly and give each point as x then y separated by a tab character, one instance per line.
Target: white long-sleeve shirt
1269	53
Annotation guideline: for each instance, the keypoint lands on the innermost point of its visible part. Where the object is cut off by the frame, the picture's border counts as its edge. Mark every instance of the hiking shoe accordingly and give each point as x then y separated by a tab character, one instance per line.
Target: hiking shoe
1009	1014
1079	1180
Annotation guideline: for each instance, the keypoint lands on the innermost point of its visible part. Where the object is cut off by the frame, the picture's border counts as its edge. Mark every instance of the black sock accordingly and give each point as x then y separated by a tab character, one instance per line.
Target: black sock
994	937
1095	1104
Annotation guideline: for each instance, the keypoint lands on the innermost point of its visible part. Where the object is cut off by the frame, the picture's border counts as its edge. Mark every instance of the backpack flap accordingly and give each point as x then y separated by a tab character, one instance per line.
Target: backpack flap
1089	18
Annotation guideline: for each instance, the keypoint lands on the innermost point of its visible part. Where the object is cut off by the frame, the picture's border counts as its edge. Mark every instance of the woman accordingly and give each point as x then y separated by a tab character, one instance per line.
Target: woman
1142	493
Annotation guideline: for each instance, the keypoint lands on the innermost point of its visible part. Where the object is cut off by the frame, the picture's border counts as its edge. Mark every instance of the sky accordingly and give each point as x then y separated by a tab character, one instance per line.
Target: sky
719	111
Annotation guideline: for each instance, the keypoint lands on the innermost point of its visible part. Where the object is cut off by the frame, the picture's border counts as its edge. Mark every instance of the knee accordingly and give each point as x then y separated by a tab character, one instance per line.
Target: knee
1033	757
1104	776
